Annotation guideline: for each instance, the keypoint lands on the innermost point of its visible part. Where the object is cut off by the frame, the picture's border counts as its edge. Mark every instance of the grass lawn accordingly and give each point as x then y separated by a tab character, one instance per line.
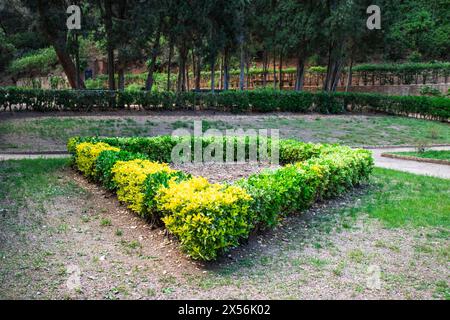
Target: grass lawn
430	154
52	219
51	133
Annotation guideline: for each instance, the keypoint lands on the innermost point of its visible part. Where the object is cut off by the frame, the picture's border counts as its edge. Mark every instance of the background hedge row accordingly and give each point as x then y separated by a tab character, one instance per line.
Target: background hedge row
209	219
234	101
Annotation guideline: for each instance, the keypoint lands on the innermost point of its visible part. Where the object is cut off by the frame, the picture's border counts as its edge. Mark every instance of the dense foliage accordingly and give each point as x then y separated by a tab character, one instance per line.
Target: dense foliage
87	154
207	218
194	37
41	62
234	101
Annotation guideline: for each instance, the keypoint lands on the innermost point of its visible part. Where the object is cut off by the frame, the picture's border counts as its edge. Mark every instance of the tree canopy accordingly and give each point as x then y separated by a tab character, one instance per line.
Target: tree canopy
209	34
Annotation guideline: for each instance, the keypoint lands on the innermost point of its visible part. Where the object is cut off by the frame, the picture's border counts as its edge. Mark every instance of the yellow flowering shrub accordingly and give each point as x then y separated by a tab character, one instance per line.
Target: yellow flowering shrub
206	218
86	155
72	145
210	218
129	176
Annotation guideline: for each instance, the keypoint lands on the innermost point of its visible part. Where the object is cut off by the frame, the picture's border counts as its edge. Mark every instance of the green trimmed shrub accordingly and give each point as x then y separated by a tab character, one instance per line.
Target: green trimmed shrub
106	161
208	219
42	60
156	181
235	101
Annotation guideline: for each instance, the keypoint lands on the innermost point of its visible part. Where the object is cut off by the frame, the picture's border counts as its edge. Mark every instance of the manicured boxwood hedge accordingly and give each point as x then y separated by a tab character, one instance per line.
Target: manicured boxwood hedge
234	101
207	218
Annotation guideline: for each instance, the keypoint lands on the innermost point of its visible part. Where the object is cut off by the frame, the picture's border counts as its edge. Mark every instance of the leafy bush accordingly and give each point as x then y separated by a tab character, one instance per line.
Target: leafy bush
294	188
402	68
234	101
430	91
206	218
341	168
160	148
86	156
292	151
95	84
133	87
154	182
210	218
42	60
129	177
106	161
56	82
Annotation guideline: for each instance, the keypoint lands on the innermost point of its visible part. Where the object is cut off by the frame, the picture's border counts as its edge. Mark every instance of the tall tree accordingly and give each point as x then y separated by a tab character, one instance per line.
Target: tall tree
107	18
344	20
52	23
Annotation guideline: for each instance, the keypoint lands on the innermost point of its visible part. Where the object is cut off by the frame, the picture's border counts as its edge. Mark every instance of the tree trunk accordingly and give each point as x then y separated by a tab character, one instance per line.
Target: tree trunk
169	64
274	71
213	74
265	67
121	78
77	62
109	44
155	51
59	43
336	74
335	62
247	68
181	87
242	63
349	76
221	74
198	73
68	67
300	73
329	68
188	87
280	69
180	75
226	73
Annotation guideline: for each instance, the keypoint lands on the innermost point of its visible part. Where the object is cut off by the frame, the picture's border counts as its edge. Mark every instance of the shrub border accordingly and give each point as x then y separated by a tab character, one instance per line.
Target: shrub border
312	172
435	108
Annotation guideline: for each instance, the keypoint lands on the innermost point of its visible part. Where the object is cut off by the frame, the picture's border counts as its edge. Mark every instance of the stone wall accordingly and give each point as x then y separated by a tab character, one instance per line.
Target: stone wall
398	90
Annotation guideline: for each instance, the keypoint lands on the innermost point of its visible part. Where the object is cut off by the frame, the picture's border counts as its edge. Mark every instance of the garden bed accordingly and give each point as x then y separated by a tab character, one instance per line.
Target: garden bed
210	218
223	172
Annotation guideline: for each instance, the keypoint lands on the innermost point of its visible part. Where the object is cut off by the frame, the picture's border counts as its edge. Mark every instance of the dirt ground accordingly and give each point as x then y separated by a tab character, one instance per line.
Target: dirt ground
88	246
49	132
83	244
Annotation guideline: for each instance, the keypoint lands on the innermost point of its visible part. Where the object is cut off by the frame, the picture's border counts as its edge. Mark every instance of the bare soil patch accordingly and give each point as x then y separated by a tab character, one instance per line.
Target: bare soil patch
319	254
223	172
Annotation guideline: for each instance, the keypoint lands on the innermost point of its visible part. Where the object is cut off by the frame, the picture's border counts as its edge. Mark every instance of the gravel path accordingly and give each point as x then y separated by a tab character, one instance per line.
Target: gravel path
422	168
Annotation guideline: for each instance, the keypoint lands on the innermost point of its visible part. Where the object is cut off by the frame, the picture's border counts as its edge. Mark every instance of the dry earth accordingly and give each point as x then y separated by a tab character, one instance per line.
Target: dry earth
89	246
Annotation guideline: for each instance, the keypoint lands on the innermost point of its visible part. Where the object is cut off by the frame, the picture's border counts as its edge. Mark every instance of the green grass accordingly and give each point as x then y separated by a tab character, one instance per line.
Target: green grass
430	154
35	180
61	129
364	130
403	199
31	134
27	188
